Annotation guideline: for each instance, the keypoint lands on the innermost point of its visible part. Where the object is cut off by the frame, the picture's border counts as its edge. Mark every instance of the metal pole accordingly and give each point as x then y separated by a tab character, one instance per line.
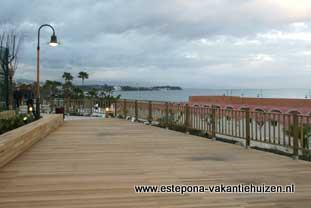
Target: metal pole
38	70
38	82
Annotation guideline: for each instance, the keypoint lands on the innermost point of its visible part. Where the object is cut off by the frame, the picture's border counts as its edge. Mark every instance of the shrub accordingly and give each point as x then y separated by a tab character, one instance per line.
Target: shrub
120	116
306	155
180	128
304	133
15	122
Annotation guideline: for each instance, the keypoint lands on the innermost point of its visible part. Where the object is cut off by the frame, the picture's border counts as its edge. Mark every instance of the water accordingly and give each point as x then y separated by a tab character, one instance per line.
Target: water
183	95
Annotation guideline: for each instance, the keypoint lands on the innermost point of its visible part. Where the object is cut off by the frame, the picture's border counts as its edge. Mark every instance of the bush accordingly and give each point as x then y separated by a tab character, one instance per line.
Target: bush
120	116
304	133
306	155
180	128
15	122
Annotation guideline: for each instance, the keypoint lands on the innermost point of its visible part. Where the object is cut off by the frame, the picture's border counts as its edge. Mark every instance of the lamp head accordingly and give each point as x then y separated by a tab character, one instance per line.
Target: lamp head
53	41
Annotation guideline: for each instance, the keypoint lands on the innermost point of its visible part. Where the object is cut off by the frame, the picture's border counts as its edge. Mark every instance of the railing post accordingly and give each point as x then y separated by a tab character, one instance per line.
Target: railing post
124	108
166	115
115	108
295	137
66	100
213	120
74	104
91	105
150	111
136	110
247	128
51	105
187	117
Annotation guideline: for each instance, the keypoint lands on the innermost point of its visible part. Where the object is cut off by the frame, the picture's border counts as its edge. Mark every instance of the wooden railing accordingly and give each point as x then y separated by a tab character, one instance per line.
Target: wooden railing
7	114
74	106
289	131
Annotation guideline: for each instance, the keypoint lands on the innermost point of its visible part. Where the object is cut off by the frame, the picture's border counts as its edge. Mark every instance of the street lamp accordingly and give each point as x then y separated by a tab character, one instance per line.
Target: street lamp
53	43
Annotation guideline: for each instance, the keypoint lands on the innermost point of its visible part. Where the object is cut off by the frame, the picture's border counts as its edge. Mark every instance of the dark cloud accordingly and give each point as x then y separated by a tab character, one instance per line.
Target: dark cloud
198	43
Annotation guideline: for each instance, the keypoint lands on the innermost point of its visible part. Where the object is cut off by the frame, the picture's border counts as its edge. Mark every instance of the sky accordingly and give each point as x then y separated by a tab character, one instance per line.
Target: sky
193	44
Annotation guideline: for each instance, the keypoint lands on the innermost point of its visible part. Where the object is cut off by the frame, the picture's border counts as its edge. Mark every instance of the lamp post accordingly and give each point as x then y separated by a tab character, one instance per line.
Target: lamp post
53	43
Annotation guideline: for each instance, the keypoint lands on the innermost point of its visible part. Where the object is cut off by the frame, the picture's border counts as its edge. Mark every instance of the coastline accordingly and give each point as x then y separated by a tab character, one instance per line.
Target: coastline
184	94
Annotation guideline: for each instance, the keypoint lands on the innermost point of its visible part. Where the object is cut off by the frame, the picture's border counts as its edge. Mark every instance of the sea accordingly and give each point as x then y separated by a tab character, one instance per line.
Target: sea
183	95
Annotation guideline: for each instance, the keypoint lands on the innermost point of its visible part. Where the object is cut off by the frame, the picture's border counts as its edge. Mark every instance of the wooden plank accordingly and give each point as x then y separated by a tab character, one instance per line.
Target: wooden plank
96	163
15	142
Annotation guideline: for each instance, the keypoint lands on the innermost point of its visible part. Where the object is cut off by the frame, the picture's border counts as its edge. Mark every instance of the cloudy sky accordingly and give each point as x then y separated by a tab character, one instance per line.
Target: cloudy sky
191	43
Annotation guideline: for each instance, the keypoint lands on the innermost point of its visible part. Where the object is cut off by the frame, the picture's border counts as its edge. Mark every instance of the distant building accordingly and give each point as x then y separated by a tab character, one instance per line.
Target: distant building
117	88
281	105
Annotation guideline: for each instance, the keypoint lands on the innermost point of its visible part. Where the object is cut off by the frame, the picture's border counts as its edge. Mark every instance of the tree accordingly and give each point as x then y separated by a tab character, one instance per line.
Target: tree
83	75
49	89
93	93
10	43
78	93
68	85
304	135
107	95
67	77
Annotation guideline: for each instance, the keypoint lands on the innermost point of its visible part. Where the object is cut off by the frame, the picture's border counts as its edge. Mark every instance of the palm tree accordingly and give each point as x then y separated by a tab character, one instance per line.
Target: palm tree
83	75
68	85
92	93
50	88
108	97
78	93
67	77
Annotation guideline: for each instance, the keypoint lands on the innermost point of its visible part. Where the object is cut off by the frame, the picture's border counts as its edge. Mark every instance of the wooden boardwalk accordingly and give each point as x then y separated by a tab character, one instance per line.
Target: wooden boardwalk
96	163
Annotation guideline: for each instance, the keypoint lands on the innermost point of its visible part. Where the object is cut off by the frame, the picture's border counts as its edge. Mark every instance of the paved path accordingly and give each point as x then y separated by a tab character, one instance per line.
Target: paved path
96	163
